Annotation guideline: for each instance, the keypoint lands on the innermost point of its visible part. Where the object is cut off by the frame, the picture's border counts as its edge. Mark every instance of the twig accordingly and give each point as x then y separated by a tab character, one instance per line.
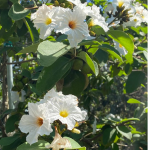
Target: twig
20	62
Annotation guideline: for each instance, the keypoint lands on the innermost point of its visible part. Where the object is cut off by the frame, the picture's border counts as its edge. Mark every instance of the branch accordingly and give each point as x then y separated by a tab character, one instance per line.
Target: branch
20	62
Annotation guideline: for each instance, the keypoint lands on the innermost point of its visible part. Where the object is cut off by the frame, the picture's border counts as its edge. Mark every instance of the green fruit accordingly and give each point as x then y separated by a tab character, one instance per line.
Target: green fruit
25	80
62	5
92	33
19	85
19	76
15	88
86	69
78	64
56	3
86	81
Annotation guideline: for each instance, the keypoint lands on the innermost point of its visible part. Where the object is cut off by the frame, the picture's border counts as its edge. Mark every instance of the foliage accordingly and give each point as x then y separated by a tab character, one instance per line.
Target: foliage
112	87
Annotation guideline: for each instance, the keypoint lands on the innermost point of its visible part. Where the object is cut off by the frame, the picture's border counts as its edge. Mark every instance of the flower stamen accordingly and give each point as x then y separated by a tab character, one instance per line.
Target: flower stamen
39	121
72	24
64	113
120	45
48	21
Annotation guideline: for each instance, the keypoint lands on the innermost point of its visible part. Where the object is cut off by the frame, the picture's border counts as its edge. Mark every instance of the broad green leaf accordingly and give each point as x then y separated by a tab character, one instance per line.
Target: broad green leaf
101	55
109	135
93	50
61	37
50	75
123	39
115	146
114	54
123	130
40	145
6	21
98	30
134	101
49	52
26	73
144	29
29	49
74	144
74	83
135	79
17	12
81	148
8	140
19	23
22	31
10	123
89	42
96	68
8	111
84	56
145	5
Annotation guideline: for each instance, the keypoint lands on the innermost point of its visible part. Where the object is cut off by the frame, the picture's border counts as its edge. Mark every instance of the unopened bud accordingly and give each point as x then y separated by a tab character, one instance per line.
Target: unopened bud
56	3
92	33
74	130
62	5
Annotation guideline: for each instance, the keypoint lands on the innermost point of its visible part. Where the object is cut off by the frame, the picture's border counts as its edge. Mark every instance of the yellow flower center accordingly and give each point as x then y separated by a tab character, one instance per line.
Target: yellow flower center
91	23
48	21
120	4
64	113
120	45
72	24
39	121
135	20
143	16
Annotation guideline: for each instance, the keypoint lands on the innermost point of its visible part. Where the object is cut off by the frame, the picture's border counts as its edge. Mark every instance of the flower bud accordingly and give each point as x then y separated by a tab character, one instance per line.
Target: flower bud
74	130
56	3
92	33
62	5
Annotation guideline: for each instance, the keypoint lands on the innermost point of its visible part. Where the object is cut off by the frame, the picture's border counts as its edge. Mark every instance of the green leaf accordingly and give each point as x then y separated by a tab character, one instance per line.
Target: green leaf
17	12
98	30
74	83
89	42
29	49
109	135
40	145
101	55
129	119
50	75
96	68
146	110
135	79
26	73
123	130
49	52
114	54
8	111
74	144
115	146
8	140
19	23
61	37
33	30
123	39
84	56
10	123
134	101
22	31
5	20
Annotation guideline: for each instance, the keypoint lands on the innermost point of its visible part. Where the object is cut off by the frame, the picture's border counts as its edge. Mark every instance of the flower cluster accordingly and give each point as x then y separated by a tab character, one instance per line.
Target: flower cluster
125	12
54	109
71	22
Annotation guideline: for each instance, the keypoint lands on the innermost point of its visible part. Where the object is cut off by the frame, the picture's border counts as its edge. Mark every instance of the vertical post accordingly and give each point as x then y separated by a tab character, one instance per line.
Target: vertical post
10	82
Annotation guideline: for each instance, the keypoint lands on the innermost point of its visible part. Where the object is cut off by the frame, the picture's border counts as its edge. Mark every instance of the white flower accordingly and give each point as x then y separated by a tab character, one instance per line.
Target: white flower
138	8
120	48
35	123
144	16
66	112
134	21
72	24
44	19
52	94
59	142
120	3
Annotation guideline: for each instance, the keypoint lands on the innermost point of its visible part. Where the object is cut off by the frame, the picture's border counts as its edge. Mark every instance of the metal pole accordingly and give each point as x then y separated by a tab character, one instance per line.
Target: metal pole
10	82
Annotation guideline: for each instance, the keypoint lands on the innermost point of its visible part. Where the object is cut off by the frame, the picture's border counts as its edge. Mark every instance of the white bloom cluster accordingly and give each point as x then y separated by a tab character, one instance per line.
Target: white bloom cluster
136	13
55	106
67	21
